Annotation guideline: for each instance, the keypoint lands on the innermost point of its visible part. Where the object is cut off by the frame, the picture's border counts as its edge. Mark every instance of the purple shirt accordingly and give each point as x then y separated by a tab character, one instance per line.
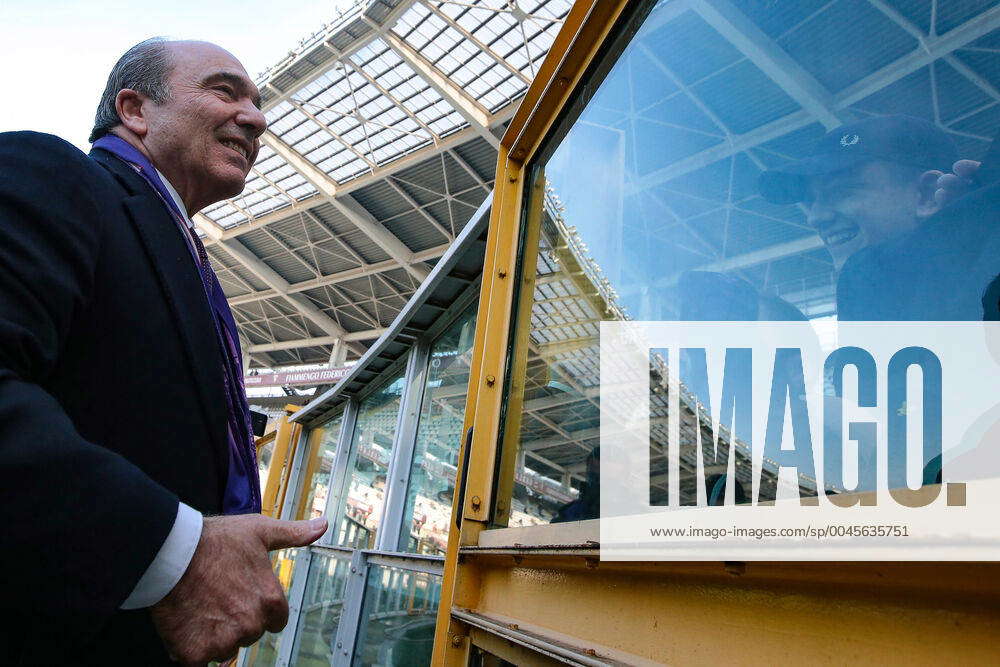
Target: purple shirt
242	494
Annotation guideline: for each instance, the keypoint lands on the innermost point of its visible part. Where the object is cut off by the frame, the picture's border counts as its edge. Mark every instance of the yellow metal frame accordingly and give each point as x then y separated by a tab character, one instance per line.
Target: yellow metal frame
576	45
286	438
312	462
651	613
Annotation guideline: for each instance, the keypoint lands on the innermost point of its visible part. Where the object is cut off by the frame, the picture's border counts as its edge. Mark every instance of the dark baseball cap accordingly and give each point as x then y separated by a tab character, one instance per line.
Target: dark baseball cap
900	139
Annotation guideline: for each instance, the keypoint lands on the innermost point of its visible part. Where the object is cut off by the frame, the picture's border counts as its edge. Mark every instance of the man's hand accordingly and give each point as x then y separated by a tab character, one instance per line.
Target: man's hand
949	187
229	595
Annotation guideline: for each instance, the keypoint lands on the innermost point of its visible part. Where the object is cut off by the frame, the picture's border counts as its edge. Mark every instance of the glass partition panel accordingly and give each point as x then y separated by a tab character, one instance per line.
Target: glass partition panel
322	604
265	652
264	455
748	161
427	514
318	468
397	619
371	448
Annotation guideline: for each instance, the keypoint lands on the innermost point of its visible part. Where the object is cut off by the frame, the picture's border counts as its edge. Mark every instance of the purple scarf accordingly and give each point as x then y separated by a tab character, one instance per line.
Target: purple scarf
242	494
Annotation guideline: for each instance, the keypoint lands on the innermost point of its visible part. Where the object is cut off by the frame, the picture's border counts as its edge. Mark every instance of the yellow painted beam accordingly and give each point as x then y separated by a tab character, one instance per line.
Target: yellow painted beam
748	613
573	49
315	447
285	438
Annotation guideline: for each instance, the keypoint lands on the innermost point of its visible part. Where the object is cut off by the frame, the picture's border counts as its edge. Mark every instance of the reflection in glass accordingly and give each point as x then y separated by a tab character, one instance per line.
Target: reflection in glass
265	652
397	620
693	180
319	467
427	514
321	607
371	447
264	455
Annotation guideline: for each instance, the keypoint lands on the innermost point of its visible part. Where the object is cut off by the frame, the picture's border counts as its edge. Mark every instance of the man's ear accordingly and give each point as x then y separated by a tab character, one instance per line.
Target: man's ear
927	204
128	104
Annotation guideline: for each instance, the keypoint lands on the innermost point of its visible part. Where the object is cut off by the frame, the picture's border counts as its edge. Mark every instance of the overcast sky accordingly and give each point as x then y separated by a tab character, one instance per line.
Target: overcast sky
57	54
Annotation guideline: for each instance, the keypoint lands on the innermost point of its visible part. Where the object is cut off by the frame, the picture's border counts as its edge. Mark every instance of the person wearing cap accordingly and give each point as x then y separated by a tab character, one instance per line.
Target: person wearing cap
866	182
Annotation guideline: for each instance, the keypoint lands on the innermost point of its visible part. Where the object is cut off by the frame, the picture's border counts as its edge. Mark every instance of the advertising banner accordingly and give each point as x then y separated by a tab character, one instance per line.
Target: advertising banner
309	377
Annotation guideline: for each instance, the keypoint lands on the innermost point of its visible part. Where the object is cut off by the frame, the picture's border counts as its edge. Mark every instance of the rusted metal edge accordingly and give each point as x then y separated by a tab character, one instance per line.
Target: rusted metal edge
554	648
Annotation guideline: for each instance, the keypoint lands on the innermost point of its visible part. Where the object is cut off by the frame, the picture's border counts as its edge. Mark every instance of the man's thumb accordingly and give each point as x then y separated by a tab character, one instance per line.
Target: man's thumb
281	534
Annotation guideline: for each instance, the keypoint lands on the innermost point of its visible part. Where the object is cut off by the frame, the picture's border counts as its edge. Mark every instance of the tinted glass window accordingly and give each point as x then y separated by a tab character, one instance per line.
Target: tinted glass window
371	448
397	620
321	607
427	514
739	160
319	468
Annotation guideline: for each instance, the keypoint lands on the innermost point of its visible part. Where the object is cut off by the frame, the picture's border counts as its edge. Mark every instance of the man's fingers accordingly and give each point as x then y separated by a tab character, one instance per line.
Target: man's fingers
951	182
281	534
966	168
276	612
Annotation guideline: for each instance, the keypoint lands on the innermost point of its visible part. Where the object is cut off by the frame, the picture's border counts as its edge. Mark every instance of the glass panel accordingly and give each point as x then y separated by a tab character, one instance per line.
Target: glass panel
371	447
319	467
265	652
397	620
321	607
427	515
264	455
769	162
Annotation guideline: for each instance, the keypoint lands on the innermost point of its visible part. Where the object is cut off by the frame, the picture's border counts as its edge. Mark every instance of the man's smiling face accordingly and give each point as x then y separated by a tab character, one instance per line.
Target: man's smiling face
204	137
860	207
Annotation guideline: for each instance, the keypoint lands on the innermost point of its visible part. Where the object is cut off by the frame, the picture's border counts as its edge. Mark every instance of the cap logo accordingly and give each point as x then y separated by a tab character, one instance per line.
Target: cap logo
849	140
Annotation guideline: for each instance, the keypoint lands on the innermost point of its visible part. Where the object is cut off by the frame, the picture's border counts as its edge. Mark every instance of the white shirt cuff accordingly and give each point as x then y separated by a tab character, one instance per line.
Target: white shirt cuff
171	561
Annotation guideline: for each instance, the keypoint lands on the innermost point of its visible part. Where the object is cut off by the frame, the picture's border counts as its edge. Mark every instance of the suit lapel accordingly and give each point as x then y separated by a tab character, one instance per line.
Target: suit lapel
184	292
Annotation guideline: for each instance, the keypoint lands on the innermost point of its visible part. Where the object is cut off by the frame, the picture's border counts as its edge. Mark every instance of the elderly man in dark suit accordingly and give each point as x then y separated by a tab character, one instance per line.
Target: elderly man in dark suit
123	422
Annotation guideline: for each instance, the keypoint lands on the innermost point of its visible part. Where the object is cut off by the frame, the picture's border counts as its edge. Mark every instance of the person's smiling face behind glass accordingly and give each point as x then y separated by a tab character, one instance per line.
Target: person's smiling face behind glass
856	208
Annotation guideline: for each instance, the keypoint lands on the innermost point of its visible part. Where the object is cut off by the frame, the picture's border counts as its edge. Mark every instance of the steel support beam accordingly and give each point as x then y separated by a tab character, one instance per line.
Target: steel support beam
349	207
318	179
368	334
339	277
770	58
338	354
326	128
451	141
931	50
917	33
739	143
321	68
376	231
474	114
483	46
468	168
244	256
419	209
769	254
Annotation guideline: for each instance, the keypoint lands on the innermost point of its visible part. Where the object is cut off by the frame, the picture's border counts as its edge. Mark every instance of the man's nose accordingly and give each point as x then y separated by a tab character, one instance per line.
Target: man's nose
252	119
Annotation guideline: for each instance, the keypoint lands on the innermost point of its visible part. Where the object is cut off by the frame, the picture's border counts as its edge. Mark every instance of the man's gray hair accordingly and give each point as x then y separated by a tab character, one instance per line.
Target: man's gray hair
144	68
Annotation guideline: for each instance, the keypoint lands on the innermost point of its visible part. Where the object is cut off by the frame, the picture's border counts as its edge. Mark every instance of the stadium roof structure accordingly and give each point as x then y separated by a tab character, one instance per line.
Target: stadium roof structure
384	128
382	143
732	87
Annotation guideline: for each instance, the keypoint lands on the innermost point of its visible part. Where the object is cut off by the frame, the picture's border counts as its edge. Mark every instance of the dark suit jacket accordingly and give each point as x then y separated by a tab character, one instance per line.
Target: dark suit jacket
111	400
944	270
